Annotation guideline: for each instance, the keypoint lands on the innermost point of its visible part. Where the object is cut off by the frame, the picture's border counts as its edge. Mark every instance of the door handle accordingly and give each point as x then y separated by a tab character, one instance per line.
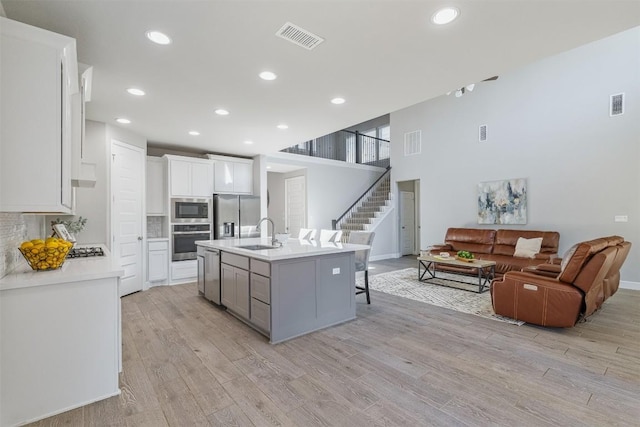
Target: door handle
139	237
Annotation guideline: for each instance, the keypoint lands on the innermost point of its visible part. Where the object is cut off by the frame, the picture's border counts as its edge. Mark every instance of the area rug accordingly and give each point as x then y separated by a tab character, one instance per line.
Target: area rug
404	283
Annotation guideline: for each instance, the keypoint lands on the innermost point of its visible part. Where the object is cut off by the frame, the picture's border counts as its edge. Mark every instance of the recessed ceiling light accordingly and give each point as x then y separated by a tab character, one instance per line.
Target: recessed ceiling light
194	133
338	101
222	112
445	15
248	142
158	37
136	91
268	75
268	167
123	120
283	126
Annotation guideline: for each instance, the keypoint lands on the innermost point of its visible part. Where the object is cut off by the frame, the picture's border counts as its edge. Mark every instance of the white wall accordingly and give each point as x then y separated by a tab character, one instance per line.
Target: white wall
548	123
275	186
332	187
93	203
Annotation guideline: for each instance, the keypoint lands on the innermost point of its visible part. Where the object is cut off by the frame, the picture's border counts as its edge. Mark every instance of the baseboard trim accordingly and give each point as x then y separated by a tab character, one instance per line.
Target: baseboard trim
384	256
624	284
74	406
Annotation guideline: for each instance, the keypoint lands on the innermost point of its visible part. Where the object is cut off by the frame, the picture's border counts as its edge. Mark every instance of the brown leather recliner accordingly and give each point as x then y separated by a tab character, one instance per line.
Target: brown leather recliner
587	275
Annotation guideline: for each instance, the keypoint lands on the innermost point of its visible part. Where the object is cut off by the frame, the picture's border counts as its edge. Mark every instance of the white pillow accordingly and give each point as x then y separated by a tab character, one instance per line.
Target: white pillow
528	248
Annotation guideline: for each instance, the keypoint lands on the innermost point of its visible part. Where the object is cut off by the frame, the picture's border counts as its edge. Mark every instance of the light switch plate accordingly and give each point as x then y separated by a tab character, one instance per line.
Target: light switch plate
336	270
621	218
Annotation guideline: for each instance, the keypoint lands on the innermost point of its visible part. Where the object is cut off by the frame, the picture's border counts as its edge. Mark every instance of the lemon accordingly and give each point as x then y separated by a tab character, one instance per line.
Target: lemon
37	242
26	245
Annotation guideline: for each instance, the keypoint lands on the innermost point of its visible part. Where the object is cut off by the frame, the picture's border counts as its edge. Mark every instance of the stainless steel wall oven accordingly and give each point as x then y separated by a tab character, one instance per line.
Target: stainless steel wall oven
184	237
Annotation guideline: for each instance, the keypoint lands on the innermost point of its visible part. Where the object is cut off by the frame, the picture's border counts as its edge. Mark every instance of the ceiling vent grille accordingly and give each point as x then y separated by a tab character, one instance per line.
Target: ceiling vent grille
482	133
616	105
412	143
299	36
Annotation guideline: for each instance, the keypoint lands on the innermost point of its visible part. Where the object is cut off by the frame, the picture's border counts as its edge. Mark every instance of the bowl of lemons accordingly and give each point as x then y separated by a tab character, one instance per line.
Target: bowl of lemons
47	254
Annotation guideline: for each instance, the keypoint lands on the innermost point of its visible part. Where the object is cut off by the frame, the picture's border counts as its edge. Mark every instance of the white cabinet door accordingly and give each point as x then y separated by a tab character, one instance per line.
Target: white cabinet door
202	179
223	177
180	175
156	186
243	178
36	130
158	265
158	261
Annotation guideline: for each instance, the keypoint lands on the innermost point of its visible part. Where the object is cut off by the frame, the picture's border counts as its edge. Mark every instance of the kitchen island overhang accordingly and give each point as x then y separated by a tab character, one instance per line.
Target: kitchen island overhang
309	285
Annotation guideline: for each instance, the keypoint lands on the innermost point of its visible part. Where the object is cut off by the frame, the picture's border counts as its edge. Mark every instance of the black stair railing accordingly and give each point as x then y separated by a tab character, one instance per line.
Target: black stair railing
358	202
347	146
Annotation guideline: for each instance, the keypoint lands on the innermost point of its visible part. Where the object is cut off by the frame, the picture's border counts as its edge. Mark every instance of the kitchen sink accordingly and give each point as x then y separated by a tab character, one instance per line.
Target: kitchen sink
256	247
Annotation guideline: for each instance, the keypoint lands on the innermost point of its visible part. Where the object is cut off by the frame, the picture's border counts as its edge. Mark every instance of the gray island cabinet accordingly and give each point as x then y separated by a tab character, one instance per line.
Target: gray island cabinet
290	291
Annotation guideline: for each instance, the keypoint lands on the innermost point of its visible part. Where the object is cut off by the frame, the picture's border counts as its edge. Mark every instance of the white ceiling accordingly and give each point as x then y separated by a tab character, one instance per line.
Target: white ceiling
380	55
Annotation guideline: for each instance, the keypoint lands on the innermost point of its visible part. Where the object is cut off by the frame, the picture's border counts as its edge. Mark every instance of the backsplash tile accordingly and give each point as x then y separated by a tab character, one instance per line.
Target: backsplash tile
15	228
154	226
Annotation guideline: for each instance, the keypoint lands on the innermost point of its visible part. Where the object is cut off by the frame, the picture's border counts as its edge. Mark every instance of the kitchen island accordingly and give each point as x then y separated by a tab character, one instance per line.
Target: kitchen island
61	338
288	291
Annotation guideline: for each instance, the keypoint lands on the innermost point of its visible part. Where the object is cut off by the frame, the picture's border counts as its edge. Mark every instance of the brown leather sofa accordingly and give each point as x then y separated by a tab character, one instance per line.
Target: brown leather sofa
588	275
498	246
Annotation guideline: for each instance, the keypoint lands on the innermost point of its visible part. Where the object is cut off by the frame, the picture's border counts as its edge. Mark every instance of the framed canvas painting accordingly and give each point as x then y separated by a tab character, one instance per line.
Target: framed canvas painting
502	202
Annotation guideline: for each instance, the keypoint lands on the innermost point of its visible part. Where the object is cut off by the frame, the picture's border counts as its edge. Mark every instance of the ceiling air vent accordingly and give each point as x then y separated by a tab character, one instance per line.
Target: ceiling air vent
412	143
482	133
616	105
299	36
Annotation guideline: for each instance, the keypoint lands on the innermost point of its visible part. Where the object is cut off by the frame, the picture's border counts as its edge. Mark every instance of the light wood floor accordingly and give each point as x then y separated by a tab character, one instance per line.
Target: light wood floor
188	363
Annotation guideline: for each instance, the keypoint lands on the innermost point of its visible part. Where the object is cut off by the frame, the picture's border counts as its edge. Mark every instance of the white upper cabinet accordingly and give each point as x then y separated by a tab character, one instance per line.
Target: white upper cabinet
38	78
243	177
190	177
223	177
156	186
232	175
202	179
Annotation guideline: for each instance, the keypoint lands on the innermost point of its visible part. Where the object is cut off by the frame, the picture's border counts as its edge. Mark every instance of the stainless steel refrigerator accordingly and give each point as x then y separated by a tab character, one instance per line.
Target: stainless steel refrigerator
235	216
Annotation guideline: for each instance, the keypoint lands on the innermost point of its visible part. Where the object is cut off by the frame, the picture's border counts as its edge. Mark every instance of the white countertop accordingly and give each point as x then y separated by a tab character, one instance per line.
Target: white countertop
73	270
293	248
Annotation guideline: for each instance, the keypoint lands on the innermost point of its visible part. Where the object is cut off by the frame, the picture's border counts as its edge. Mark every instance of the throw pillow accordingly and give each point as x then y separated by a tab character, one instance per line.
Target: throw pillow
567	256
528	248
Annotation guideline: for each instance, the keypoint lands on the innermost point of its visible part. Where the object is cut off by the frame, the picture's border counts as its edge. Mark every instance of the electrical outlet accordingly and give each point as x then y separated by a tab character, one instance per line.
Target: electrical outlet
621	218
336	270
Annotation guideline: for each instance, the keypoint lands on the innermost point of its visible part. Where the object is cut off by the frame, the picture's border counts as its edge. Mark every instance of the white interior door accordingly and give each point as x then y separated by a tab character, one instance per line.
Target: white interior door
295	209
407	223
127	167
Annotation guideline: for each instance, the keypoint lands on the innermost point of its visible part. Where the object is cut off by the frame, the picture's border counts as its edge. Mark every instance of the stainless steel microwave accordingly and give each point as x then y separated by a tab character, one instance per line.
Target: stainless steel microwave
190	210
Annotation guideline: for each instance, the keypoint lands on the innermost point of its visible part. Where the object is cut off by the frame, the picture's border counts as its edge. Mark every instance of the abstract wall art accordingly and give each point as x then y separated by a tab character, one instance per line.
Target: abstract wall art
502	202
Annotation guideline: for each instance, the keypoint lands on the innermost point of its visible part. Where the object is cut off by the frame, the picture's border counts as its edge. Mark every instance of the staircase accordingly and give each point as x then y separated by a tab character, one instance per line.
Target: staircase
370	208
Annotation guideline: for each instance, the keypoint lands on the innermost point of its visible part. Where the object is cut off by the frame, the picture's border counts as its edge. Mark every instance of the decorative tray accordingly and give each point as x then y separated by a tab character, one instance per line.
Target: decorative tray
465	259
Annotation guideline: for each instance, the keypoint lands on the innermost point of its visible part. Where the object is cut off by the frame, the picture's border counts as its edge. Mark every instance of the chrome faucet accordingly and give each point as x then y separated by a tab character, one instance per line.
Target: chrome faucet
273	229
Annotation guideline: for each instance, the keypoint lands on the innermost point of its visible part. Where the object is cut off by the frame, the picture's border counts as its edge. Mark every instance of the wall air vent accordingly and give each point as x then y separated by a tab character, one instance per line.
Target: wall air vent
482	133
299	36
616	105
412	143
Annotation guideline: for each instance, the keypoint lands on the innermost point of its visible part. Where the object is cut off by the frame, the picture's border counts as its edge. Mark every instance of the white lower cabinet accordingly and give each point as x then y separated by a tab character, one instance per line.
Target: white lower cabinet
61	346
184	271
158	261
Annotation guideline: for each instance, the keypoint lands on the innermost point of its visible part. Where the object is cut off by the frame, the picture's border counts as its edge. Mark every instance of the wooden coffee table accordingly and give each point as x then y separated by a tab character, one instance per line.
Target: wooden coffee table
486	270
